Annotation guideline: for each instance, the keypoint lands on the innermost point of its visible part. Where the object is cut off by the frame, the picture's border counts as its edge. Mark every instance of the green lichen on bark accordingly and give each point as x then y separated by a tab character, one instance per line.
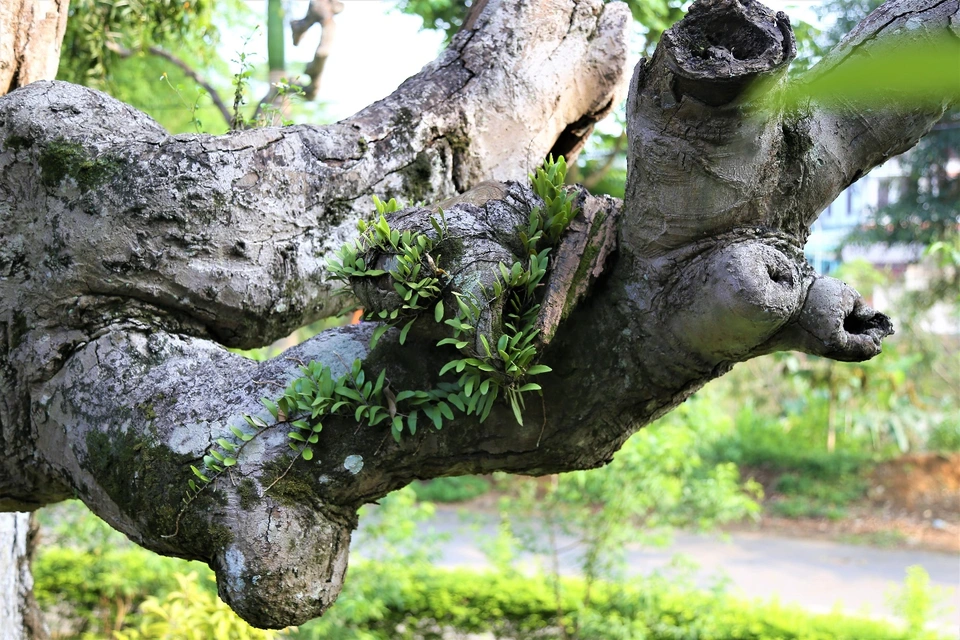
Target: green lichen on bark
587	259
288	486
145	480
450	252
17	143
416	178
219	537
61	159
247	490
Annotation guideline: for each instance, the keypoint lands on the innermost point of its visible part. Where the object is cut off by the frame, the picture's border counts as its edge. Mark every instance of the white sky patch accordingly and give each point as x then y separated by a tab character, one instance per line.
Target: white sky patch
377	47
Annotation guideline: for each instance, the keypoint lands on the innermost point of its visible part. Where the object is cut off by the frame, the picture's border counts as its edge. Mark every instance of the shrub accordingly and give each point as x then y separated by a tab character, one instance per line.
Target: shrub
458	489
414	600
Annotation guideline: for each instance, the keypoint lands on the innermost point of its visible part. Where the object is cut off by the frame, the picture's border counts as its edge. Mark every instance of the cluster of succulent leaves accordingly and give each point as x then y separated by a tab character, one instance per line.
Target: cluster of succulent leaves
486	371
416	277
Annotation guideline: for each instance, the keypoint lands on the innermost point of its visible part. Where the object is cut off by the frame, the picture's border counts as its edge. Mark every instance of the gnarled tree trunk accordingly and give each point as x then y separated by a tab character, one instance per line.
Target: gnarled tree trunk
31	33
130	258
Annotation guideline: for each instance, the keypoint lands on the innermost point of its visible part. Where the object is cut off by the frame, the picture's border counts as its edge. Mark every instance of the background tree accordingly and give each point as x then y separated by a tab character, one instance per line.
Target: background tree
923	206
131	257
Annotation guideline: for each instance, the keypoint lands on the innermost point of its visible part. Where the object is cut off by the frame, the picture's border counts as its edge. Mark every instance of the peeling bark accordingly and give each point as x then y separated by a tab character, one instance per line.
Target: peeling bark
18	609
32	35
128	258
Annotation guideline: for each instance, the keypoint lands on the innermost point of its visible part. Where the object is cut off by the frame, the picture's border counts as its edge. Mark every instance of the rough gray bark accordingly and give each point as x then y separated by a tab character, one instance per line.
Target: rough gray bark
30	38
129	257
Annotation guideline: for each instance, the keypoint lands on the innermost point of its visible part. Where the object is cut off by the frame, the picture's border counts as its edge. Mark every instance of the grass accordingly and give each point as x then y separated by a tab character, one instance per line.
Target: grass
886	539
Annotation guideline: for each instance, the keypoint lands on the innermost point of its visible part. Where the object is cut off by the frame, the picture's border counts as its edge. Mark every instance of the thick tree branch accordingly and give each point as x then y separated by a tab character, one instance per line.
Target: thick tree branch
843	139
247	219
126	252
688	125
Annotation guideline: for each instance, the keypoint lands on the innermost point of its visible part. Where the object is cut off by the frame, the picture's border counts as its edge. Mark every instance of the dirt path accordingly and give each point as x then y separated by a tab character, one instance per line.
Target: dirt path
815	574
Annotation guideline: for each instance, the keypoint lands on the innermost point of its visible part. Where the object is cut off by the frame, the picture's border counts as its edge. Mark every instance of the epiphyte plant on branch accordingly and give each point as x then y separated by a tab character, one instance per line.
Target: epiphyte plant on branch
316	394
130	258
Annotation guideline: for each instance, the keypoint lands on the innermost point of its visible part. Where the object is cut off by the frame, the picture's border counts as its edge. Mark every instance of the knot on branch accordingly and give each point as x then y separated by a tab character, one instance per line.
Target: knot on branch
744	298
836	322
285	564
736	296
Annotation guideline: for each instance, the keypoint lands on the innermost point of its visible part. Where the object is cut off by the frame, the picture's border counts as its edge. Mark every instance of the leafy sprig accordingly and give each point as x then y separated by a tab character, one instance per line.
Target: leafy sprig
487	370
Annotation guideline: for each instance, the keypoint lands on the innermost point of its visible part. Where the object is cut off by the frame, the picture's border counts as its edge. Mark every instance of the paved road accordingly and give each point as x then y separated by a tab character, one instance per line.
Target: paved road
813	574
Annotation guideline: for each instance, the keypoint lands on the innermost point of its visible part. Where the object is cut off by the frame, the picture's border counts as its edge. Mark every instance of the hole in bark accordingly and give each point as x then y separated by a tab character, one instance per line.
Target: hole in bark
572	139
858	325
741	38
779	274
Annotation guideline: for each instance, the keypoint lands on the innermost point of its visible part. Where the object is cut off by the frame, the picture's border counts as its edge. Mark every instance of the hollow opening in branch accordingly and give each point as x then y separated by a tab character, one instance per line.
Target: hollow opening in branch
722	46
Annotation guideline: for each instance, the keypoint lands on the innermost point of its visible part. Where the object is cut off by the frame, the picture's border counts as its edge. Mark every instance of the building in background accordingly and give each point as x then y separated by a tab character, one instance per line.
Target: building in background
904	264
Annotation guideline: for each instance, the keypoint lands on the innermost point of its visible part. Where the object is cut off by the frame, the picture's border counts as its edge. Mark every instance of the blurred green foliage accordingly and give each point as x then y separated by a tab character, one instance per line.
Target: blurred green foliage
459	489
390	600
96	27
295	338
917	602
655	16
656	481
190	613
105	47
925	207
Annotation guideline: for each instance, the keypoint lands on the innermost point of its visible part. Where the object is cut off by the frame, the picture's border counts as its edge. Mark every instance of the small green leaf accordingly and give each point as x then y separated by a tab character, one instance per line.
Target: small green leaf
403	395
295	435
348	393
516	410
486	345
487	404
447	367
530	386
378	387
412	422
464	309
445	410
307	454
229	462
405	331
436	226
455	400
538	369
438	310
271	407
255	422
377	334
